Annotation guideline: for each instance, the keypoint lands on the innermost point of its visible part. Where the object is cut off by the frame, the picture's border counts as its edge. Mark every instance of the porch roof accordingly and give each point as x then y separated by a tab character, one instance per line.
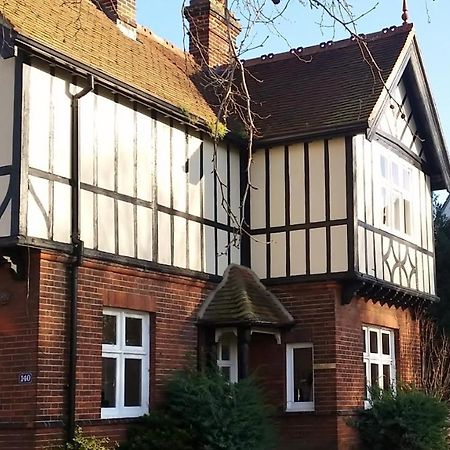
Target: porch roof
241	299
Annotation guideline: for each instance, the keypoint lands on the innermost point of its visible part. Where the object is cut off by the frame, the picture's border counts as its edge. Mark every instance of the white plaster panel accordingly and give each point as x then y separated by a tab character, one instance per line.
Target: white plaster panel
258	194
87	218
222	251
318	250
62	212
5	222
164	239
298	252
126	134
339	248
297	183
235	249
429	211
316	181
180	240
432	275
378	256
209	248
277	255
179	175
163	162
426	273
105	126
368	169
144	233
277	187
338	178
396	273
87	141
145	155
7	67
195	245
106	224
208	181
193	177
370	253
37	217
235	185
420	272
5	219
258	251
360	143
125	217
361	250
222	185
61	102
39	117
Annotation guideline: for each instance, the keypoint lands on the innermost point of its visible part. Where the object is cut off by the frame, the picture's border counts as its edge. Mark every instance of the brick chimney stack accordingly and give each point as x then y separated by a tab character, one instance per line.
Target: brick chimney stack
122	12
210	26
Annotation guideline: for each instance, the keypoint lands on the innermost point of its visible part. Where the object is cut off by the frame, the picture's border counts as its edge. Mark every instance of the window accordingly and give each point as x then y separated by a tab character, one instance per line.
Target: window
227	354
125	364
378	358
299	377
395	196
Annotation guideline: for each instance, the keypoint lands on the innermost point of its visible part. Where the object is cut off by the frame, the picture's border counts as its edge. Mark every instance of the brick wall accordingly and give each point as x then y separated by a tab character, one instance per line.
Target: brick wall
33	337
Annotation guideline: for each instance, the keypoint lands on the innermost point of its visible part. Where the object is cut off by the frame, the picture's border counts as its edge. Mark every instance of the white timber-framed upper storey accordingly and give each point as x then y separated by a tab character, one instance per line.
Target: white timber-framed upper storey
148	194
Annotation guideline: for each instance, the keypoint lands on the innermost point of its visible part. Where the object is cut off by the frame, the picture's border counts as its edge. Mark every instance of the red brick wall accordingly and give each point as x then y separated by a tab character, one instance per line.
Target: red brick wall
33	337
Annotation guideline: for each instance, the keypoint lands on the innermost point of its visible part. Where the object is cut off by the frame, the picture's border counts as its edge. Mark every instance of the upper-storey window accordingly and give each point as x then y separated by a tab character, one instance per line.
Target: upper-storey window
396	201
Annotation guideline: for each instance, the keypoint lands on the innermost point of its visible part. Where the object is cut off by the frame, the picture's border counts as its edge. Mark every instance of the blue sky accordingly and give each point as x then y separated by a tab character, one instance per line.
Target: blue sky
300	28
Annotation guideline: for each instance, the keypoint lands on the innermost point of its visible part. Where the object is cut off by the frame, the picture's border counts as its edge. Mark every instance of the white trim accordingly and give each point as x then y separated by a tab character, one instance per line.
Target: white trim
275	333
120	352
291	404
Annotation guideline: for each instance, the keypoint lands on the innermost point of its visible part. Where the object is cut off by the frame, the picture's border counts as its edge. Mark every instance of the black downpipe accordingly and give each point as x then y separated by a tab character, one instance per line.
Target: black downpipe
77	260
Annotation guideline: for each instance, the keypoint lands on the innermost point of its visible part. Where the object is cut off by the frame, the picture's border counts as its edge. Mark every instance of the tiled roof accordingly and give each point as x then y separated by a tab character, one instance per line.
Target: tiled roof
322	88
241	298
78	30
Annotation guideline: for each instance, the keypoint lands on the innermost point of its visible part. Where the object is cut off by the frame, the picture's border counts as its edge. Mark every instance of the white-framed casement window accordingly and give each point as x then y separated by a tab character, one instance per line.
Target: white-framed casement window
378	358
300	377
396	202
227	360
125	363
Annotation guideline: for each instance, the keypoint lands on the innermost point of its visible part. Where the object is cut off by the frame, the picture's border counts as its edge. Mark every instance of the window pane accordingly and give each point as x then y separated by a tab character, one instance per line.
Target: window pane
226	372
407	214
386	376
303	375
383	167
108	382
133	382
385	206
396	211
374	374
225	356
385	344
133	332
373	342
109	329
395	174
406	179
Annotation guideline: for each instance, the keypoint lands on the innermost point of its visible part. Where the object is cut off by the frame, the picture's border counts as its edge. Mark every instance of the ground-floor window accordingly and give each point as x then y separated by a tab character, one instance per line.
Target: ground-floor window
227	360
378	358
300	377
125	363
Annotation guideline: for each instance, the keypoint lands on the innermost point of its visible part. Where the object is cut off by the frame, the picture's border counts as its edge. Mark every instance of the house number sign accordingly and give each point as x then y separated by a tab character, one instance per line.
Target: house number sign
25	377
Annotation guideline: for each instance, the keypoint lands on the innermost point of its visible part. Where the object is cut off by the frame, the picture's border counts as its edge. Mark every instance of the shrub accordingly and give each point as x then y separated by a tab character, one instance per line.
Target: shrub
206	412
405	419
82	442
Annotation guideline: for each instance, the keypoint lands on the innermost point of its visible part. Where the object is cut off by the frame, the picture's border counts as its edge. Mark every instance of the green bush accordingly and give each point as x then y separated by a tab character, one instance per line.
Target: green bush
205	412
82	442
405	419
